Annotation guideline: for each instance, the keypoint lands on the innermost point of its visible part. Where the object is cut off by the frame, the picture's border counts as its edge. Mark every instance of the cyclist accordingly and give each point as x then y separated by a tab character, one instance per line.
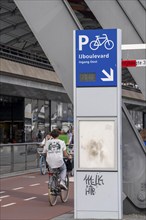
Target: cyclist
56	150
42	144
48	136
71	136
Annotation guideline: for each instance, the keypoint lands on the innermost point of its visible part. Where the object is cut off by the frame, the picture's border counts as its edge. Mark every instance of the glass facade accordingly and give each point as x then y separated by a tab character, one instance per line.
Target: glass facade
43	116
11	119
22	118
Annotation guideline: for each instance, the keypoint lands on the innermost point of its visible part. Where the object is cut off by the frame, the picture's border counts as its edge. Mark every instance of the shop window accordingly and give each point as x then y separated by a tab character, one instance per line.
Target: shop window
11	119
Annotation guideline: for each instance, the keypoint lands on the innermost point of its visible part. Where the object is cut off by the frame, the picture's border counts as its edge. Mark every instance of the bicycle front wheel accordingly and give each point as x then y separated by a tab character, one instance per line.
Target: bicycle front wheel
109	44
52	194
42	165
94	45
65	192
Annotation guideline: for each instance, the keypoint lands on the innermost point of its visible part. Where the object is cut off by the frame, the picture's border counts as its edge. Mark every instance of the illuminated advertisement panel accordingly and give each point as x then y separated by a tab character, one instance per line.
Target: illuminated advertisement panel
97	144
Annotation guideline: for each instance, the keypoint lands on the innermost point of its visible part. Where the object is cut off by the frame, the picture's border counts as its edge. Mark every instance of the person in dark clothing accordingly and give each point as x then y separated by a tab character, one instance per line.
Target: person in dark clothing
39	137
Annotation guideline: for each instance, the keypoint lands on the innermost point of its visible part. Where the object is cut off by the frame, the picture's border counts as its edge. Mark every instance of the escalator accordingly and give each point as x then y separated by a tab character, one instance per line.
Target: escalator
53	26
134	166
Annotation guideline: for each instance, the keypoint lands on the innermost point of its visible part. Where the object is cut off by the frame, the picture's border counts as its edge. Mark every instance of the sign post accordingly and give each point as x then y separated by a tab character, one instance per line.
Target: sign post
97	124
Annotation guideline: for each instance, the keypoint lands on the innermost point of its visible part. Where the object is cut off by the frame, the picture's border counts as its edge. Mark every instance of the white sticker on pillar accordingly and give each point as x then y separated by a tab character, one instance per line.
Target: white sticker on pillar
97	143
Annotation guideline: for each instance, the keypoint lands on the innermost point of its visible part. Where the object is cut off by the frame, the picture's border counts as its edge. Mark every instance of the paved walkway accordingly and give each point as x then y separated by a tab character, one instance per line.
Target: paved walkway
70	216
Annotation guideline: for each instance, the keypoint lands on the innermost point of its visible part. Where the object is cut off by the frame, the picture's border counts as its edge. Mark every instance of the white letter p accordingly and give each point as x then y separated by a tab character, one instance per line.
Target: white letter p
83	40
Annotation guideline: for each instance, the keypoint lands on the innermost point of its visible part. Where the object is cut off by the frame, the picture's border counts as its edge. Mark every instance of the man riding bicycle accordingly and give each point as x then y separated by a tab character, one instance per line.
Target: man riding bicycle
56	150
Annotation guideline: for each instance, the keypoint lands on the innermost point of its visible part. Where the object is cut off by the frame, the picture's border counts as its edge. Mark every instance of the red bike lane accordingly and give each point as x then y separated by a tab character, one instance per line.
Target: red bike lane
25	197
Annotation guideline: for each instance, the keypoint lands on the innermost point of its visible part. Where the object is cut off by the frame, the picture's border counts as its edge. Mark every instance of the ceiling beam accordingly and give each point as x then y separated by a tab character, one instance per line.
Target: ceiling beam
10	13
33	45
19	38
133	46
11	27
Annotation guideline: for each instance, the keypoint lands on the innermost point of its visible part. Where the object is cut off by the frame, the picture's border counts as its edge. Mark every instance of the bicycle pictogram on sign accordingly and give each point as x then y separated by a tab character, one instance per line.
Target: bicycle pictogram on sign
101	40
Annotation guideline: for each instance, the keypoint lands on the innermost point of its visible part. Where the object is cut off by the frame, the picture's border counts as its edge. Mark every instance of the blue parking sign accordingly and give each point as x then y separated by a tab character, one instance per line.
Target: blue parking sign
96	58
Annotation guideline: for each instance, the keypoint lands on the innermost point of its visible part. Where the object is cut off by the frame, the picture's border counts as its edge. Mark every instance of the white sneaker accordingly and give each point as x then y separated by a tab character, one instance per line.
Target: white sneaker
62	184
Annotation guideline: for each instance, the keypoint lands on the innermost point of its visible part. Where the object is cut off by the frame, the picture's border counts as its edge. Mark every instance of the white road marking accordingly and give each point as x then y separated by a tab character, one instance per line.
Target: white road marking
2	197
36	184
46	181
71	179
31	198
18	188
2	192
3	206
45	194
29	177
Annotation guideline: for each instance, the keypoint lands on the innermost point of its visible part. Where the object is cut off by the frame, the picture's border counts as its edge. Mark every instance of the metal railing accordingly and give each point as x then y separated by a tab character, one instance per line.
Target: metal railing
24	57
21	157
18	157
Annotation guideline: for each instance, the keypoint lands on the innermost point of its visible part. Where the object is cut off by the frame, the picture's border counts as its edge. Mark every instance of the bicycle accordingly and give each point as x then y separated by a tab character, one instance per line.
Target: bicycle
54	188
42	161
99	41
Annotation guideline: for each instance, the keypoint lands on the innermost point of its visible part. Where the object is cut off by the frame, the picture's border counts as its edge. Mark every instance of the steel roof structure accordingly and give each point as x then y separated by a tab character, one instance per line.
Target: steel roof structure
14	31
16	34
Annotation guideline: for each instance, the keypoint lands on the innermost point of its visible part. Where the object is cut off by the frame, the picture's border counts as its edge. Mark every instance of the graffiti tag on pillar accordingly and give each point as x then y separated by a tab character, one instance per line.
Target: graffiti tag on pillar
92	182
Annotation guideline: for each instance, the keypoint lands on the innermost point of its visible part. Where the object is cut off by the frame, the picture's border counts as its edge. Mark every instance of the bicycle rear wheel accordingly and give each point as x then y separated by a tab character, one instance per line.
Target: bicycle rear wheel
52	194
65	193
42	165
